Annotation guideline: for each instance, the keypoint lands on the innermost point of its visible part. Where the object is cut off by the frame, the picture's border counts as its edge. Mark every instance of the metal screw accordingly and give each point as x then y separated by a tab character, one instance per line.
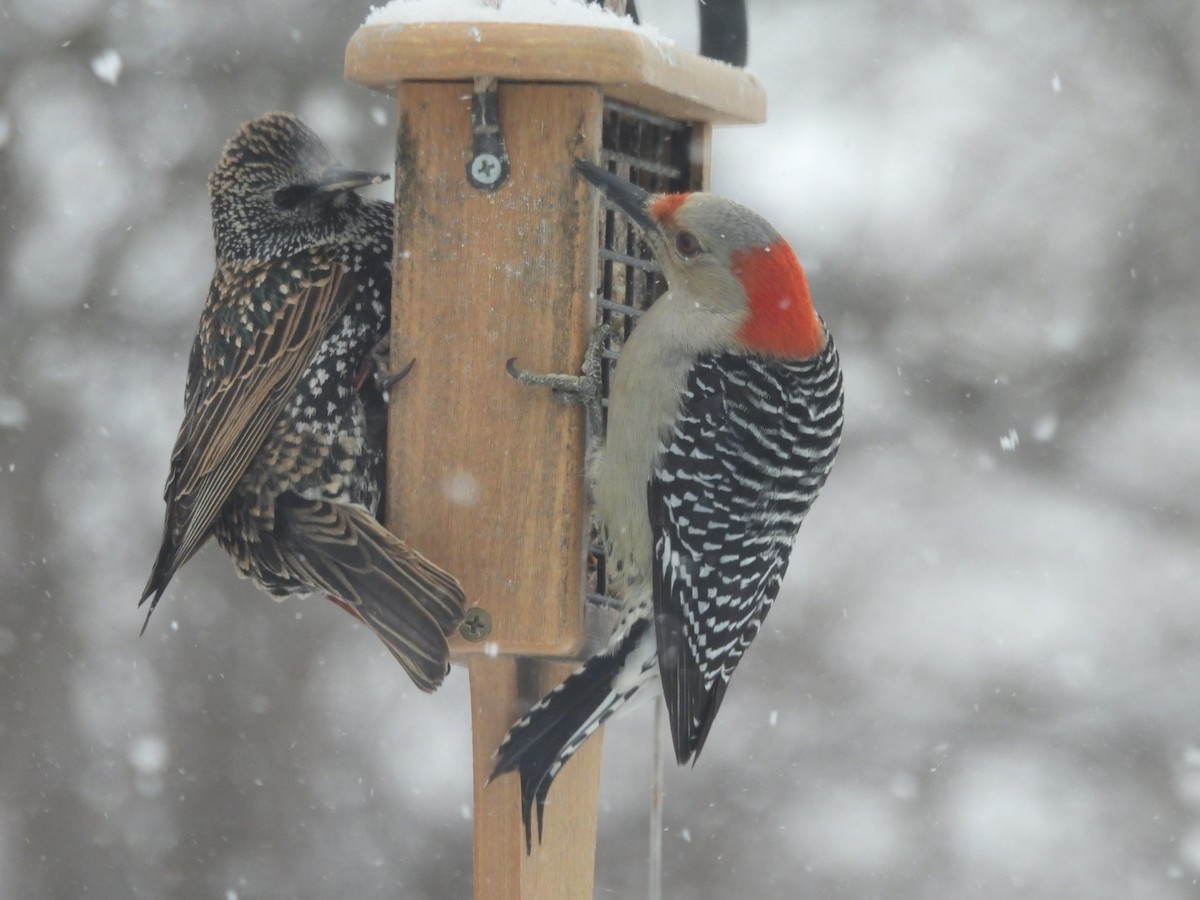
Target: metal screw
477	625
486	168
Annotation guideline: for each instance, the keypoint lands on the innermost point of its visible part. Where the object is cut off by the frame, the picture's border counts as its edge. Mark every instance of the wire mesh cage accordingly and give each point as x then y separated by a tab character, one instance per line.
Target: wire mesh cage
654	152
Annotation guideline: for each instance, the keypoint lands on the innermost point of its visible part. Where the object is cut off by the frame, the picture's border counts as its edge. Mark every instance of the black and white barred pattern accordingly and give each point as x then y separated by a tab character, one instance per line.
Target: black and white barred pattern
541	742
752	446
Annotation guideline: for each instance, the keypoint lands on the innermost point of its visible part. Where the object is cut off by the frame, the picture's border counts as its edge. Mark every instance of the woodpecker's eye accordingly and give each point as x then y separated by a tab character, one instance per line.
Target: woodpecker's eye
686	244
292	196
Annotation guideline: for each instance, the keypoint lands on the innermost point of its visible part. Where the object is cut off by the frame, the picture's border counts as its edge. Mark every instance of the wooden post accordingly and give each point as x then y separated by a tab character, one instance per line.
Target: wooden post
486	476
490	481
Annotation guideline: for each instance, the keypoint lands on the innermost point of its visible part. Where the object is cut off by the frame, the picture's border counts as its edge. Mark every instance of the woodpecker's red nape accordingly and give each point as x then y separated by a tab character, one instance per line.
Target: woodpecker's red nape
664	206
782	321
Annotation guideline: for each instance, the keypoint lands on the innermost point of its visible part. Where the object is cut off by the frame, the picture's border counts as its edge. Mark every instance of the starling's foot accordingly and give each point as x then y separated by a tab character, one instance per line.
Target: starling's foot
386	380
375	366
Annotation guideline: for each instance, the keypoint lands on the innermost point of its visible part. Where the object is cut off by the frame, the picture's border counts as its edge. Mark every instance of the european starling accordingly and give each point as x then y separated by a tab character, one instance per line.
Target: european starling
279	455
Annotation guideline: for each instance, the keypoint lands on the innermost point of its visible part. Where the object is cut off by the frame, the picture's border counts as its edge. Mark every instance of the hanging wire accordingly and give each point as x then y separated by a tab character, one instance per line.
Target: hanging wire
657	784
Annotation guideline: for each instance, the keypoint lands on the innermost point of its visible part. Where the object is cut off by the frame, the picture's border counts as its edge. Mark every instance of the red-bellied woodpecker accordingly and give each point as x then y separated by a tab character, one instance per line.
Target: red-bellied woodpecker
724	418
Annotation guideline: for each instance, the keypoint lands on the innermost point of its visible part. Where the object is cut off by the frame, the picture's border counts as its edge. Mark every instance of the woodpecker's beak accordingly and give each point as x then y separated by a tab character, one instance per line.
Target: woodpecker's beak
625	195
336	179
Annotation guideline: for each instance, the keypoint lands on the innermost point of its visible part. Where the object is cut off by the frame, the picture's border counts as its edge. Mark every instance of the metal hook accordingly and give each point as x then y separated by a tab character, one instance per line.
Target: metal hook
489	166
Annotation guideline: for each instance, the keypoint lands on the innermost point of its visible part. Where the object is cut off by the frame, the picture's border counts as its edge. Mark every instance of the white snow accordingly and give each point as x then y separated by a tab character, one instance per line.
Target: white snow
462	488
106	66
13	412
1189	847
1016	636
1045	427
546	12
148	754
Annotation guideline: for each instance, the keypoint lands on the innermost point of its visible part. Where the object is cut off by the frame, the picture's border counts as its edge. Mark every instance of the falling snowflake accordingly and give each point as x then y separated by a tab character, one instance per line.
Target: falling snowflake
107	66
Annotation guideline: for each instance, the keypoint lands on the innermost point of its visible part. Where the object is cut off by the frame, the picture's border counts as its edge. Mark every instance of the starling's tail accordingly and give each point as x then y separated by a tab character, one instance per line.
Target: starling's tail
160	577
171	555
540	743
410	603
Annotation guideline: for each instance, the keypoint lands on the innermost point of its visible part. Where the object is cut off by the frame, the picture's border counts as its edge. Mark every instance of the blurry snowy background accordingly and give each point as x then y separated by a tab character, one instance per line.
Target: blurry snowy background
983	676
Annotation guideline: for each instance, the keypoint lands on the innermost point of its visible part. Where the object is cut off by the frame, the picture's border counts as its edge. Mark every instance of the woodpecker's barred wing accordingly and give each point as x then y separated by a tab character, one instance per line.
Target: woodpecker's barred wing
752	446
260	329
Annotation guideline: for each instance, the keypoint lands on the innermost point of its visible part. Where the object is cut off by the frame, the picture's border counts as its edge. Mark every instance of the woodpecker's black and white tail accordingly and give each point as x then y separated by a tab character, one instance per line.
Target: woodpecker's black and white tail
540	743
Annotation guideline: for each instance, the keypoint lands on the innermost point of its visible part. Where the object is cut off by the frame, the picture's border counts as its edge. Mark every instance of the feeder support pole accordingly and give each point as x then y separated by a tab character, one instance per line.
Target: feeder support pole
490	479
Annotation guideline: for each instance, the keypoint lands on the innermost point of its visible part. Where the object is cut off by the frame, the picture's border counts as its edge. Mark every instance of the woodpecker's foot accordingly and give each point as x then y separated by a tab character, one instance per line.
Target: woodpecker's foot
584	388
567	388
603	601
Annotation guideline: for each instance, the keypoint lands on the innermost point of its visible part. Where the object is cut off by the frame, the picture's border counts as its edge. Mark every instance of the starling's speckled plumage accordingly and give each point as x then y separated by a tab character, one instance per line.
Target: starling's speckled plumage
278	455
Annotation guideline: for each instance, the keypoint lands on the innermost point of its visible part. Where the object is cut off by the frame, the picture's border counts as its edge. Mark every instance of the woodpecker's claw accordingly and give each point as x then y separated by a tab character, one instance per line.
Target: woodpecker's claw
520	374
586	388
595	351
582	388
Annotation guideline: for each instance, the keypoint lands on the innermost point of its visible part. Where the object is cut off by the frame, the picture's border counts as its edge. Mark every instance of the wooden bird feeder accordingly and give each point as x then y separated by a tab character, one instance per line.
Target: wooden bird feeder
503	251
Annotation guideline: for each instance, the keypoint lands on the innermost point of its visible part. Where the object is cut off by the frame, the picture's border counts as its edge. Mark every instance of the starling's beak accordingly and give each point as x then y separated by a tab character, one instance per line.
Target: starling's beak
336	179
625	195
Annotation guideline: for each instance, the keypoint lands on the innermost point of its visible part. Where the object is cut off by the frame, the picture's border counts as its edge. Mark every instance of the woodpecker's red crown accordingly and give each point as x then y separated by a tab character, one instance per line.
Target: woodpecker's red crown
737	280
700	230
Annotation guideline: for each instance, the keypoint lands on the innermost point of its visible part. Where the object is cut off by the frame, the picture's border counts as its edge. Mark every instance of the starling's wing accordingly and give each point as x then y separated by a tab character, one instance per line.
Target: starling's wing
260	329
409	602
720	546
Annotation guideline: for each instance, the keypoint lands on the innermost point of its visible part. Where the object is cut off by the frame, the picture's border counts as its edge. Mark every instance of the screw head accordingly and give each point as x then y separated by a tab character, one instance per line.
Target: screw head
487	169
477	625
